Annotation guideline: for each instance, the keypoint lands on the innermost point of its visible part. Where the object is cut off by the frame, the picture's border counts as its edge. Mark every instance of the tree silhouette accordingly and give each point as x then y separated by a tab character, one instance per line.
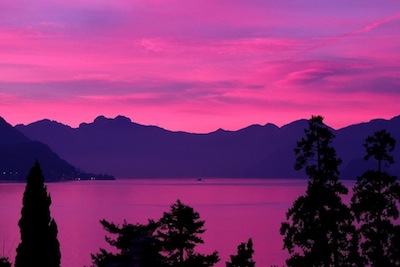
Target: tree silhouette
179	235
4	262
244	257
319	225
136	245
379	147
375	204
169	242
39	245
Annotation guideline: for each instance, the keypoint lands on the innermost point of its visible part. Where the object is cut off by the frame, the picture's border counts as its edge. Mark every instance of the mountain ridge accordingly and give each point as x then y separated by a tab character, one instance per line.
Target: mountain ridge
131	150
18	153
121	118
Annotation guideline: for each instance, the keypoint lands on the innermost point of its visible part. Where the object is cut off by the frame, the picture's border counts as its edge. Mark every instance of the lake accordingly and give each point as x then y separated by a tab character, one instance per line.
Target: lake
234	210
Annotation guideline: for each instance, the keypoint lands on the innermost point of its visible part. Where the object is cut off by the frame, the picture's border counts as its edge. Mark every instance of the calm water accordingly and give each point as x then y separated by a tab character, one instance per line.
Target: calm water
234	210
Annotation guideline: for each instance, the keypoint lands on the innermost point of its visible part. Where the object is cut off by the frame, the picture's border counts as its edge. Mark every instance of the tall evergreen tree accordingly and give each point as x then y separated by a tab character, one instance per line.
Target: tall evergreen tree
319	225
179	235
375	204
244	257
39	244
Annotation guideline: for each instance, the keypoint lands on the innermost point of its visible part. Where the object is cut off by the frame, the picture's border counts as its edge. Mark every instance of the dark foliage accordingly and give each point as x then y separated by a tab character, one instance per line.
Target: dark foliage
244	257
379	147
170	242
4	262
375	204
319	226
136	245
179	235
39	245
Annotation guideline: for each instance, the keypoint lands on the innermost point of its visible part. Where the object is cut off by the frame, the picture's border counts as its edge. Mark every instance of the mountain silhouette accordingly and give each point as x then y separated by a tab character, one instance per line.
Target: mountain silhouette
18	153
10	136
349	146
130	150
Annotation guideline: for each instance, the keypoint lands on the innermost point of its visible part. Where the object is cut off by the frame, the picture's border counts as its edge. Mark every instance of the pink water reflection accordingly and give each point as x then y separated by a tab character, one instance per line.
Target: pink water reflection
234	210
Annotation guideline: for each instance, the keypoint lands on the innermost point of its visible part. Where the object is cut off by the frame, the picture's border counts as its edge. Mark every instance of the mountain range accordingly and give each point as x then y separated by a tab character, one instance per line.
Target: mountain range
18	154
126	149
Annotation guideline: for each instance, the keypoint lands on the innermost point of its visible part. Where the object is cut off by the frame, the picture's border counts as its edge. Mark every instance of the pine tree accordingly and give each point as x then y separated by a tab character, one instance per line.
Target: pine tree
375	204
244	257
135	243
179	235
39	245
319	225
169	242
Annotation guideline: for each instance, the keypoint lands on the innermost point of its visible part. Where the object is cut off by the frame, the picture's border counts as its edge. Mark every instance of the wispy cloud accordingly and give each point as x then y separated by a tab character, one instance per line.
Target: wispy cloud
381	22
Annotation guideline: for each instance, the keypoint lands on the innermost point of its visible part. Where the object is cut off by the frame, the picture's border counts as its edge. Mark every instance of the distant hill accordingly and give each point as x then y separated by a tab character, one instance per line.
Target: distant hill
349	146
18	153
130	150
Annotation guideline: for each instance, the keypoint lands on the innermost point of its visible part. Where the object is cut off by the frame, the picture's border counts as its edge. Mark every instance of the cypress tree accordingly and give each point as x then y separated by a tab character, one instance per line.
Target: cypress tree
39	244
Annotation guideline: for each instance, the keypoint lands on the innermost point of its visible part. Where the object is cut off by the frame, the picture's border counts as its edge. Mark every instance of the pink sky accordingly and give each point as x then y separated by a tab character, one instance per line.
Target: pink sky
199	65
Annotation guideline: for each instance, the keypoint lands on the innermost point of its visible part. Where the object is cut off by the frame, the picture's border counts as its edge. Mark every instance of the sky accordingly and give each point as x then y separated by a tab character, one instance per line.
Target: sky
198	66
